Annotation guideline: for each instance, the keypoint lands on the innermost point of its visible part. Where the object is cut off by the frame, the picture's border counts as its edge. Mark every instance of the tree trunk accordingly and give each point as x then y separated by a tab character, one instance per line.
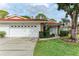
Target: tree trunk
74	34
74	27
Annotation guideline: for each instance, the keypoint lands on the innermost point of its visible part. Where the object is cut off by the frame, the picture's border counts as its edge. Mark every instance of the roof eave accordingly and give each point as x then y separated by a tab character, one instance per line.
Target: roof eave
23	21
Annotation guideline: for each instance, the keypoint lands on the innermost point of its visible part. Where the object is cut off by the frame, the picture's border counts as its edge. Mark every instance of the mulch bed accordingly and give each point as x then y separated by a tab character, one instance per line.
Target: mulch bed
69	40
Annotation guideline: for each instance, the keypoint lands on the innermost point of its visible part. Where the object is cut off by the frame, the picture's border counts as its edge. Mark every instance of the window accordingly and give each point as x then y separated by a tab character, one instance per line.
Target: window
18	26
25	26
15	26
21	26
35	26
28	26
31	26
11	26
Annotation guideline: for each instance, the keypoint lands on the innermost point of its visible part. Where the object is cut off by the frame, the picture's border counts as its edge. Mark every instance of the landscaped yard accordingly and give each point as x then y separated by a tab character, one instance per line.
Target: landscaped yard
56	48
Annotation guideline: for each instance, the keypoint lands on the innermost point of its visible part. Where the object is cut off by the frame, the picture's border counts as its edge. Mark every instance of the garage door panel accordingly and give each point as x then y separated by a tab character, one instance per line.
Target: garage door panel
24	32
17	32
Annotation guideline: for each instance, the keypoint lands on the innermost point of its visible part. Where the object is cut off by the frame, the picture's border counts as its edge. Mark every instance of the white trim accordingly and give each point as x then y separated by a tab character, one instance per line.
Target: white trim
23	21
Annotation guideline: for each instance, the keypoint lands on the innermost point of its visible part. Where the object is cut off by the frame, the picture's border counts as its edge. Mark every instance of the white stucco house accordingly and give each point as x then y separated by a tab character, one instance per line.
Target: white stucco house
16	26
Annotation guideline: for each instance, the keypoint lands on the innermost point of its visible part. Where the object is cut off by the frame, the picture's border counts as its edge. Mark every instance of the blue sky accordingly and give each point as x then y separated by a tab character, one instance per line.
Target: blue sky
32	9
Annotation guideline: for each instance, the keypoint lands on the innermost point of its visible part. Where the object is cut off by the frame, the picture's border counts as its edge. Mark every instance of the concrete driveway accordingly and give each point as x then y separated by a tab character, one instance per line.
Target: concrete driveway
17	47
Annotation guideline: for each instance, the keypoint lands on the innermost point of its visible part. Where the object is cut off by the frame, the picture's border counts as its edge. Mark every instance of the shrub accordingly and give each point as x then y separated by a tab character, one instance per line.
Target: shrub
2	34
46	34
52	35
64	33
41	34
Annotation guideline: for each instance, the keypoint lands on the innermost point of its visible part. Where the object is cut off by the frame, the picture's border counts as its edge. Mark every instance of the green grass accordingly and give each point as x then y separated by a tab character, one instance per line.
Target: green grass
56	48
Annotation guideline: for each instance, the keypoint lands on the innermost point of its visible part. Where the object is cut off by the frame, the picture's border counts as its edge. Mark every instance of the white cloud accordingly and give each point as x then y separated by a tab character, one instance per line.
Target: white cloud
44	4
3	5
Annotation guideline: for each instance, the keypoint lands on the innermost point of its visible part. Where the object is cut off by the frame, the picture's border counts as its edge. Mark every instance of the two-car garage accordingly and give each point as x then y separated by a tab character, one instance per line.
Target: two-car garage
21	30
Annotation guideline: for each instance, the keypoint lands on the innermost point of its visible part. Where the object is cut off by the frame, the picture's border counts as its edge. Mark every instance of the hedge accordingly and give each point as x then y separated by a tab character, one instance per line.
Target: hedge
44	34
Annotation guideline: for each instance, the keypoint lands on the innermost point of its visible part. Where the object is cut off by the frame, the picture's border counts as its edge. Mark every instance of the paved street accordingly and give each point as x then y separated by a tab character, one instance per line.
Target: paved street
17	47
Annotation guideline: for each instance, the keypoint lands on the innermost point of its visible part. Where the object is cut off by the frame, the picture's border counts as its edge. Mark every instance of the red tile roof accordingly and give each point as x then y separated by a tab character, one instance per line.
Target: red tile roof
51	22
17	18
14	18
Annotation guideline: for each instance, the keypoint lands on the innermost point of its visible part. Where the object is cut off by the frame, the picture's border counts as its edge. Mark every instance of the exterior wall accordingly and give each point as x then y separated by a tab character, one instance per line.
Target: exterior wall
53	30
31	30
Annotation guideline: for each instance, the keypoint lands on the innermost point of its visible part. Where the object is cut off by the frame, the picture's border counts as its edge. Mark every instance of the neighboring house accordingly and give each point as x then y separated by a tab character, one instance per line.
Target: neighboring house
54	27
66	25
16	26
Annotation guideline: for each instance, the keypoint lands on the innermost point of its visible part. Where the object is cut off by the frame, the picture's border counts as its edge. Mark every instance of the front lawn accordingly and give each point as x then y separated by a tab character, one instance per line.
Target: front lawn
56	48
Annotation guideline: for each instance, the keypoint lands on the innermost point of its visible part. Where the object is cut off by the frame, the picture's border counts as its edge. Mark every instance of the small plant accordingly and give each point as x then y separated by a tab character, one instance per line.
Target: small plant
2	34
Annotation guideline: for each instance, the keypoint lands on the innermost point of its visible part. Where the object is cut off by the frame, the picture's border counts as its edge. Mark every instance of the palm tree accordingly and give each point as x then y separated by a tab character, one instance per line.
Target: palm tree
53	20
3	13
41	16
71	9
26	16
65	21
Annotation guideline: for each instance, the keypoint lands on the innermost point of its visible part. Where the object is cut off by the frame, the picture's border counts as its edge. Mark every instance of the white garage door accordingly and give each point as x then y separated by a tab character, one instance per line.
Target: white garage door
24	31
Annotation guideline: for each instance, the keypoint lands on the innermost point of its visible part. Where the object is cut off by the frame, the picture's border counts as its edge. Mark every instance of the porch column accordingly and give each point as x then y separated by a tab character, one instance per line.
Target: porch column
42	25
